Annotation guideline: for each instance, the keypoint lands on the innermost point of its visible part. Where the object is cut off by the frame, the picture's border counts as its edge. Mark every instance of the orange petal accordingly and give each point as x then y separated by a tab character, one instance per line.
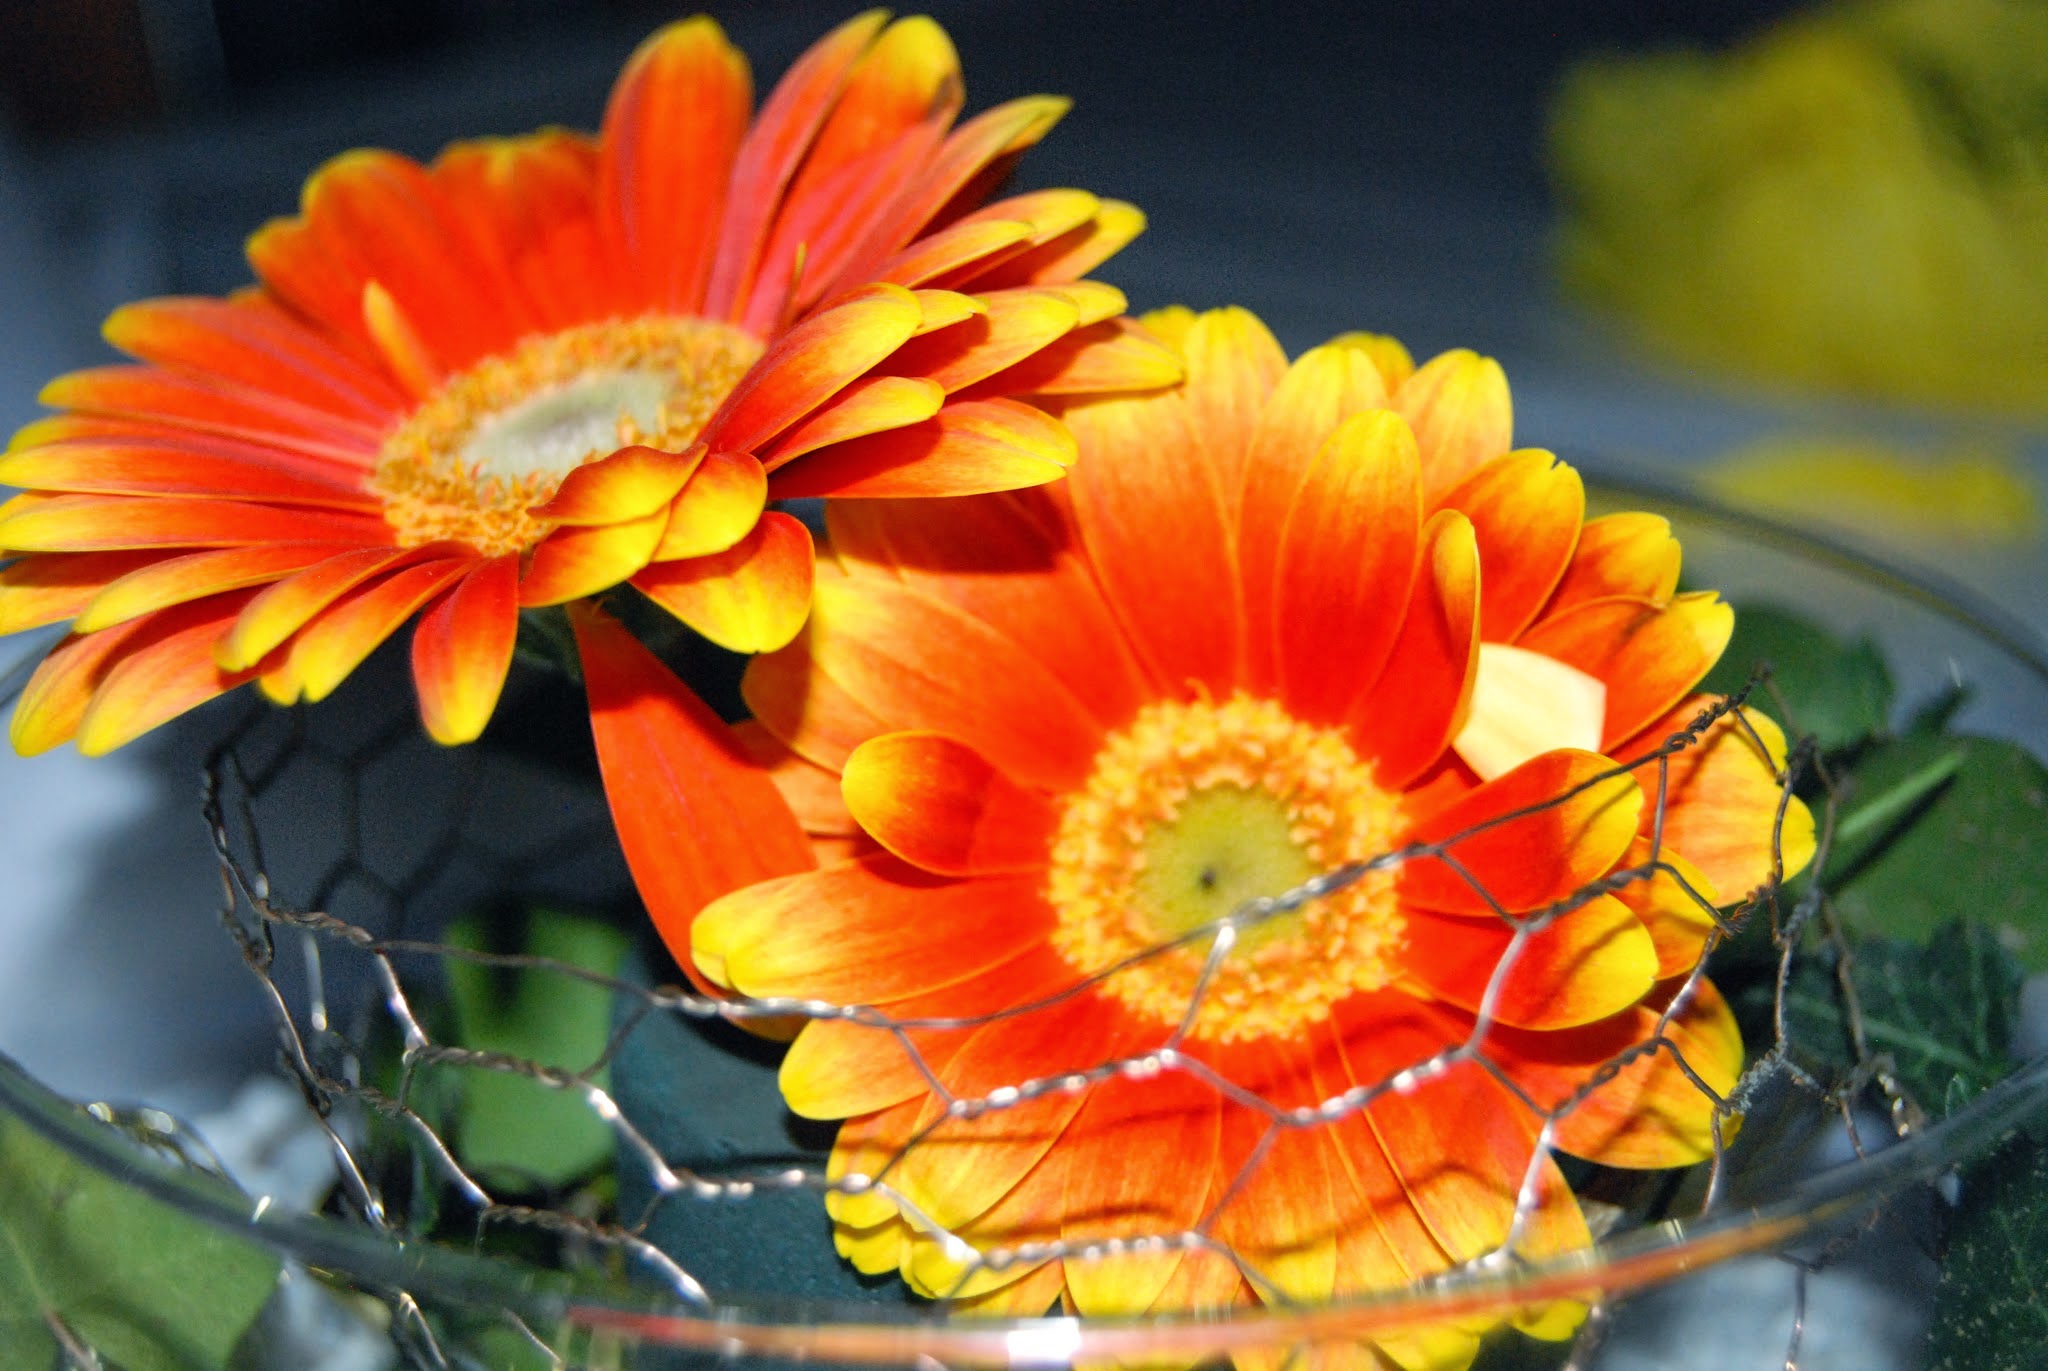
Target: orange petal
1345	564
164	670
95	523
1018	323
1028	1213
136	441
629	484
1649	655
280	611
1651	1113
968	448
187	465
1071	254
1383	1244
1584	965
55	697
772	150
1034	1294
573	562
1282	1221
671	132
874	405
1180	601
977	157
1526	508
463	648
816	252
921	663
1526	839
1051	213
1722	795
752	597
1170	324
964	1166
1234	363
807	708
55	586
383	221
1045	595
810	791
509	195
250	342
210	406
720	505
1459	1141
1459	406
1324	387
1170	1115
1094	302
1389	357
868	932
934	180
809	364
945	308
1674	901
872	1146
1620	554
407	355
948	254
174	580
902	91
1113	355
673	771
325	651
838	1068
940	805
1404	722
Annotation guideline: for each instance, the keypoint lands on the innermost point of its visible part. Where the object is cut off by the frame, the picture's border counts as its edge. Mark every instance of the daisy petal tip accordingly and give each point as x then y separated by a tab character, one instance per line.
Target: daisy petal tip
1170	325
33	731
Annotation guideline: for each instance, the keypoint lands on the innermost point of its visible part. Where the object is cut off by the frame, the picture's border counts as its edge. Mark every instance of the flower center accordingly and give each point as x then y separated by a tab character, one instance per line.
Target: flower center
494	441
1191	812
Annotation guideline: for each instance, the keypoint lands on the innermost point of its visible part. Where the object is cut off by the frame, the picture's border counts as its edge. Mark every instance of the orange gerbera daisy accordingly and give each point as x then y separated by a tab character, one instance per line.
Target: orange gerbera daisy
549	364
1027	759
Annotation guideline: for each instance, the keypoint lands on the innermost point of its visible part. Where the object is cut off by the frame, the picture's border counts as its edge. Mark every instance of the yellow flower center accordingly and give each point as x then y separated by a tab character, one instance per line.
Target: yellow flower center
1195	810
495	441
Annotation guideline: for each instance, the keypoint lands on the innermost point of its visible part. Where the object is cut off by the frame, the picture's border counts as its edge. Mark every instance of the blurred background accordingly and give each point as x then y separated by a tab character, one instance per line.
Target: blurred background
1804	267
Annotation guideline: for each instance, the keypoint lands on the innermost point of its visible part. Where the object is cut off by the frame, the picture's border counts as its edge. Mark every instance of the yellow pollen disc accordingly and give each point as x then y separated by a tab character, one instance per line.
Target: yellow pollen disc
1195	810
496	440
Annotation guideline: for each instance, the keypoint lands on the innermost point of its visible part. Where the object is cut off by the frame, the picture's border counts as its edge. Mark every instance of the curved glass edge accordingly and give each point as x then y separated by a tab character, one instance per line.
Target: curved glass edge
1922	586
745	1325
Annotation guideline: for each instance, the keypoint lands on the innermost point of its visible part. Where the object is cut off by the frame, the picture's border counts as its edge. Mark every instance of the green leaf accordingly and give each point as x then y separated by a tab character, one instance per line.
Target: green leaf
1837	691
513	1125
1990	1309
1944	1011
1957	828
141	1284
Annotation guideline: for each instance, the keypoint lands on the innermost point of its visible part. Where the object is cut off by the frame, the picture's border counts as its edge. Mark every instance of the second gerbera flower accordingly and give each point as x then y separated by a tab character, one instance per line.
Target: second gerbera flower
543	366
1047	741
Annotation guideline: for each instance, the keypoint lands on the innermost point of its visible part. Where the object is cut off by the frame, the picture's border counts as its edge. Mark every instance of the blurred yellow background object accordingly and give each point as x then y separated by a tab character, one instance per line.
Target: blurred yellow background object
1974	496
1854	200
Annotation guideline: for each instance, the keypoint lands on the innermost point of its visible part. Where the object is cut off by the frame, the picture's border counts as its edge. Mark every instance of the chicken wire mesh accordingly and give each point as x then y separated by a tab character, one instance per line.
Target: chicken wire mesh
340	911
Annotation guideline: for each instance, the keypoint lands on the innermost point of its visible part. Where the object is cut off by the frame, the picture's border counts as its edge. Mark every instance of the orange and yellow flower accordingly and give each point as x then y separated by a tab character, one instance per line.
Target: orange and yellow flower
546	365
1021	780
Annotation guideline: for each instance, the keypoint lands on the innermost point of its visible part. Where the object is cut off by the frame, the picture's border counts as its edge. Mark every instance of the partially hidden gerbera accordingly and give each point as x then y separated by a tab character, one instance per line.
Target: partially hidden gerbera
1028	758
546	365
